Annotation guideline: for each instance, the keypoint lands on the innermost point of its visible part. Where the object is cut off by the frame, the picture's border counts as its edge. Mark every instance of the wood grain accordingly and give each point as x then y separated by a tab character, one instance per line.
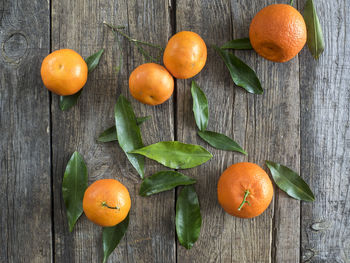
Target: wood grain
325	137
262	124
25	186
150	237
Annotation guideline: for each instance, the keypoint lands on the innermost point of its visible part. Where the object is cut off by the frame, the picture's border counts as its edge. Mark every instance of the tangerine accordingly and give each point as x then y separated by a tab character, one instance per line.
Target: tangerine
64	72
185	55
278	32
151	84
106	202
244	190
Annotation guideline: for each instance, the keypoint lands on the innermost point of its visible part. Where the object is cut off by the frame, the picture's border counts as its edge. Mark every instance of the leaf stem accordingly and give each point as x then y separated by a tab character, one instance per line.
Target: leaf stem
291	2
118	29
111	207
246	193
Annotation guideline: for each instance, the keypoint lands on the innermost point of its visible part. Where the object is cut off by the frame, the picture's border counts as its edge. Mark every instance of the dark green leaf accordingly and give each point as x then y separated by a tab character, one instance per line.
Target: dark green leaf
200	106
188	217
128	133
315	40
93	60
163	181
221	141
75	182
290	182
67	102
241	74
110	134
111	237
176	155
242	43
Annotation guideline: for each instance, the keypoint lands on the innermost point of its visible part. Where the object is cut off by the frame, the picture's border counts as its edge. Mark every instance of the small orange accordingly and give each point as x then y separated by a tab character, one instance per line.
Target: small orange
64	72
278	32
106	202
245	190
151	84
185	55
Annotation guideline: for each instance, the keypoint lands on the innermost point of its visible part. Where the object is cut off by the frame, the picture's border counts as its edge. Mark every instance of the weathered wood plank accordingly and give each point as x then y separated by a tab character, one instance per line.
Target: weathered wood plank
325	135
262	124
150	237
25	186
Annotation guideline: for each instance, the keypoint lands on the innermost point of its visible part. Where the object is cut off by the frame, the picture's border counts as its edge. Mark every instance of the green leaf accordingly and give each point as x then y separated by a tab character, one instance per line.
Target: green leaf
221	141
200	106
315	40
188	217
242	43
128	133
75	182
93	60
110	134
241	74
111	237
290	182
176	155
163	181
67	102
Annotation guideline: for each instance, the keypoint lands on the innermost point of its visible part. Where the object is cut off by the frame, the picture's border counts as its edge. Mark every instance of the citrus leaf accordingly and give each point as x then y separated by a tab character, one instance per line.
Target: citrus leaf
242	43
176	155
241	74
220	141
67	102
111	237
75	182
128	133
110	134
163	181
290	182
315	40
188	218
200	106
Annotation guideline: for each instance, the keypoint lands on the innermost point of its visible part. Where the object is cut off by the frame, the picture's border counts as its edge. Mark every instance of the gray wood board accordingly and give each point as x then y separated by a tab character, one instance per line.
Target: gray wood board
325	134
25	184
151	236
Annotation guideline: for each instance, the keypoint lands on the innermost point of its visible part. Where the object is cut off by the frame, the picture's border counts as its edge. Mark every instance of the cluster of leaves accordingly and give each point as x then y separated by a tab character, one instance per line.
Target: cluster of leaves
245	77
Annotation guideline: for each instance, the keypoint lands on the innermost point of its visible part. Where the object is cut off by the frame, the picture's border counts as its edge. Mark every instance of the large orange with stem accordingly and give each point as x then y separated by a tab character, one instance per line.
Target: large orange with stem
185	55
245	190
106	202
151	84
278	32
64	72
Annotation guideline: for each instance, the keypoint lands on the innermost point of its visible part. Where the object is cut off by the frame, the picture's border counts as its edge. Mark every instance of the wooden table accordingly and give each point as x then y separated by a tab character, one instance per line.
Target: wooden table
301	120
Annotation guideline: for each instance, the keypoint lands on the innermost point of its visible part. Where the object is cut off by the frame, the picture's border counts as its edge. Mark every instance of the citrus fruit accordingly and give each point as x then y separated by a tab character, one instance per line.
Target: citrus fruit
185	55
106	202
278	32
245	190
151	84
64	72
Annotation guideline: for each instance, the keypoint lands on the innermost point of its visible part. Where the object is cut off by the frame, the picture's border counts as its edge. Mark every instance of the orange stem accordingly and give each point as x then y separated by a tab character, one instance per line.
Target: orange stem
111	207
246	193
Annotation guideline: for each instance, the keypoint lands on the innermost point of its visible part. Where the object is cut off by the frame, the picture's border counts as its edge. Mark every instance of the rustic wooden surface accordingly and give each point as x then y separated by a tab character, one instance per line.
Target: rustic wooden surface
301	120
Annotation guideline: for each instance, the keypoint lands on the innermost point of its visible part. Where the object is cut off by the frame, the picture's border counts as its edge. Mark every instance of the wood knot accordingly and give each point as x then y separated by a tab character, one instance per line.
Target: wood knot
14	47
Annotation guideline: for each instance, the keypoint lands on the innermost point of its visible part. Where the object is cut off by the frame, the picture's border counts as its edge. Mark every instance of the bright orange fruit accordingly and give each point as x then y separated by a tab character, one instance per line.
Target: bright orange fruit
185	55
244	190
278	32
64	72
151	84
106	202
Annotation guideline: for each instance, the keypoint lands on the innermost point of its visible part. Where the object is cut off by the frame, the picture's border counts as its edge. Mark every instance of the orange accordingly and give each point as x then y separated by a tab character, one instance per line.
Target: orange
185	55
245	190
64	72
278	32
151	84
106	202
